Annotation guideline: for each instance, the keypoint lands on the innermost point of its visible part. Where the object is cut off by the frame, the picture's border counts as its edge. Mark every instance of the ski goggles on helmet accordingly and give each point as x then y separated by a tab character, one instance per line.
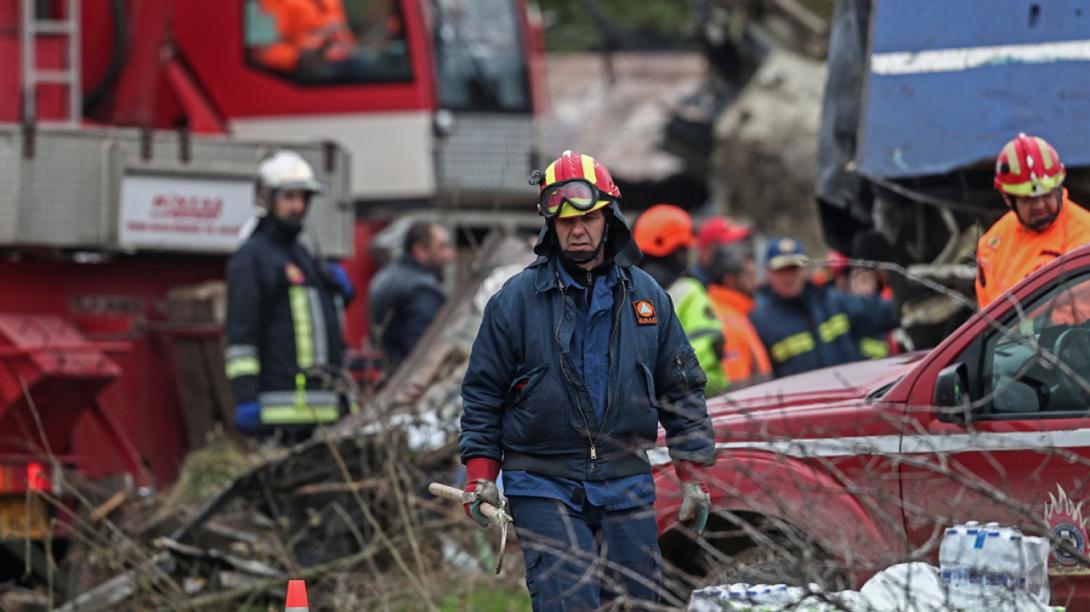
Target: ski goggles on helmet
581	195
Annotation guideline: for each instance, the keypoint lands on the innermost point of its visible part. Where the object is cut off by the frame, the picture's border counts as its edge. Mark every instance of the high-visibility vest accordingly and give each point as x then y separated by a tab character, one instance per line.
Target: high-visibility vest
703	329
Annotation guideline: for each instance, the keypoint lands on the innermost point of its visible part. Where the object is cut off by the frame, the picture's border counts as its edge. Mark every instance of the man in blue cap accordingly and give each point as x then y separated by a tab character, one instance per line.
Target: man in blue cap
805	326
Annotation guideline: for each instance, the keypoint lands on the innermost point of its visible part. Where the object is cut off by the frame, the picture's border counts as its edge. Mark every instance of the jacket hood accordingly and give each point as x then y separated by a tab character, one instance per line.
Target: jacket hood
620	248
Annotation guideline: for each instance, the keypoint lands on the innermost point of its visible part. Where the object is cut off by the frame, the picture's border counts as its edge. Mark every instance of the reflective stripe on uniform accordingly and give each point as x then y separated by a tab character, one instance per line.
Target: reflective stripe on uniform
294	407
836	326
300	316
318	327
792	346
243	366
705	333
872	348
289	414
240	350
241	360
288	397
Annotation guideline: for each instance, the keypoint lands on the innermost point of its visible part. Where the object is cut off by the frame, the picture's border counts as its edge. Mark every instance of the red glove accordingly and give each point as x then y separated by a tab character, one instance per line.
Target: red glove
478	468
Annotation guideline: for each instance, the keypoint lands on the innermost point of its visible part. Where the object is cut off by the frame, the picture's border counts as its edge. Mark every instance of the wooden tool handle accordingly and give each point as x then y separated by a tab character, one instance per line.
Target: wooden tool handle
448	492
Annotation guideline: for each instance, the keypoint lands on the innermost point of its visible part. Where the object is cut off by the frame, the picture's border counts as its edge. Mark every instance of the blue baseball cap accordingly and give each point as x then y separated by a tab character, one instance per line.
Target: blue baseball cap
784	252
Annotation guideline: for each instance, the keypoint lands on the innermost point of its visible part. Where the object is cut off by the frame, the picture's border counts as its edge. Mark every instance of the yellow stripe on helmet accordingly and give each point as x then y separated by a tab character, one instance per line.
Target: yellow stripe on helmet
550	174
1037	187
588	169
1012	158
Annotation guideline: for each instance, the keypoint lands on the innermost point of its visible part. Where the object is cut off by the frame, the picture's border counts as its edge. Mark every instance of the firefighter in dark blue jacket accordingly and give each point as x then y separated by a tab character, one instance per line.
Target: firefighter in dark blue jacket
805	326
577	361
283	313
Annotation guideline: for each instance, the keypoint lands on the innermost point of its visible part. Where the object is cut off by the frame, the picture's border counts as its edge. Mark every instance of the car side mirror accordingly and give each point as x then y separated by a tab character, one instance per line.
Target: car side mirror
952	394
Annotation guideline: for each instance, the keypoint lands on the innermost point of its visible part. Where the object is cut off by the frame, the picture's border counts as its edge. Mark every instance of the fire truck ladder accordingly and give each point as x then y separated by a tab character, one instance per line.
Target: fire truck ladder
33	29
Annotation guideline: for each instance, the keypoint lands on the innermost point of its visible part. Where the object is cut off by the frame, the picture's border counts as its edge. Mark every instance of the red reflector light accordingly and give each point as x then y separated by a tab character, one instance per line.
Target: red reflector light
37	479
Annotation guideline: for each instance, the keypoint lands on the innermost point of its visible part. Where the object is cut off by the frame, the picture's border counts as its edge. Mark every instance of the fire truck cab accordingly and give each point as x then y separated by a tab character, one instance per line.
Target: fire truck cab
130	131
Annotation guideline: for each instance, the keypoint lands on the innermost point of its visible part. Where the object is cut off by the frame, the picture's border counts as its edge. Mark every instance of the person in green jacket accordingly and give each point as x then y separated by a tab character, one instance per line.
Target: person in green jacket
664	234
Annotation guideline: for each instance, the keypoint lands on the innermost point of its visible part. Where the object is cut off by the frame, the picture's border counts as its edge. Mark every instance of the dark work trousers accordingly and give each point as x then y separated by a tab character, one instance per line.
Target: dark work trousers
582	560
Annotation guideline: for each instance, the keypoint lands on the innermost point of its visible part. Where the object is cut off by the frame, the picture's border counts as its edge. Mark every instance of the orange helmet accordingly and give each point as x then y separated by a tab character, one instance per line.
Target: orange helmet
1028	166
663	229
574	184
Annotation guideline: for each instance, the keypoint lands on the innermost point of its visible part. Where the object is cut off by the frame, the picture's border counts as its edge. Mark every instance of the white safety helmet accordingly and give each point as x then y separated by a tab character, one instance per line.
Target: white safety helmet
287	170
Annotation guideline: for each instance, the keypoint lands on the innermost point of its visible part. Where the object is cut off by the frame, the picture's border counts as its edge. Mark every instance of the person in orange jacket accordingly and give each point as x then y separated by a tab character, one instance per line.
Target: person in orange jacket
314	36
1041	225
732	281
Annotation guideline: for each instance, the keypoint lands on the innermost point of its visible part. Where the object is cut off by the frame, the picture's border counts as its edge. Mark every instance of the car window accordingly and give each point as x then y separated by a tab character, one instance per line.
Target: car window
327	42
1039	364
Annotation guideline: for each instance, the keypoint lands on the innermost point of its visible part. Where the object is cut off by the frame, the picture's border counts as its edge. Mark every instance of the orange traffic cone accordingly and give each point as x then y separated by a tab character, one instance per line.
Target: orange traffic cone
297	597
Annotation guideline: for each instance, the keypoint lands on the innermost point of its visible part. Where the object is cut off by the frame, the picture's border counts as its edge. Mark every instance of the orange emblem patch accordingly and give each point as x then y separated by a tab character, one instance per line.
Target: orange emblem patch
645	312
294	274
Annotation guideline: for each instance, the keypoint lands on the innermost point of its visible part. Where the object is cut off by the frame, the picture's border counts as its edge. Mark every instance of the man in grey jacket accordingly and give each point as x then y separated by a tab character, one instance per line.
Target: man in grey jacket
406	295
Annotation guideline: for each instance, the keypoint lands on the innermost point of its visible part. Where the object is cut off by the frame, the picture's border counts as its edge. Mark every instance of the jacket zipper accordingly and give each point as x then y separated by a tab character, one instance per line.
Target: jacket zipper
567	377
612	344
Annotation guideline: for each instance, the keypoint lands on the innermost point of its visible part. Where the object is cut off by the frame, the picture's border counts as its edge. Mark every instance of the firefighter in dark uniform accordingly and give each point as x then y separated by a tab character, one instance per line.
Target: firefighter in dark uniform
283	314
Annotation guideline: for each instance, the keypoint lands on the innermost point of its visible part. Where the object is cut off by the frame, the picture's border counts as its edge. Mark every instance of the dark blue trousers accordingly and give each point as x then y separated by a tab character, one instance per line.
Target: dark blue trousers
582	560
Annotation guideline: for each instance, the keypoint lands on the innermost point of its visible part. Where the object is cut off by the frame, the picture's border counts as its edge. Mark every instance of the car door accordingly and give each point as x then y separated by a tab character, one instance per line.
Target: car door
1022	455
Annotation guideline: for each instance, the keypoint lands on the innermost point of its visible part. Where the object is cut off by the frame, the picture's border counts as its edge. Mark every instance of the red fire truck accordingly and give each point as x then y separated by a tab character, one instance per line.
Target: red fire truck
129	134
869	462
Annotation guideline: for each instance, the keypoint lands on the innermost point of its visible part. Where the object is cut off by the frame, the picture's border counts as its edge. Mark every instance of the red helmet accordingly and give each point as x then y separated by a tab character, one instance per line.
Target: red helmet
578	184
721	230
1028	166
663	229
837	262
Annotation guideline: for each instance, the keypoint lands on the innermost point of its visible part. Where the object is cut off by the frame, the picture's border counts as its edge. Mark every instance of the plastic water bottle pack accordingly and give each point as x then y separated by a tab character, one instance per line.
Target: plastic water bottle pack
992	563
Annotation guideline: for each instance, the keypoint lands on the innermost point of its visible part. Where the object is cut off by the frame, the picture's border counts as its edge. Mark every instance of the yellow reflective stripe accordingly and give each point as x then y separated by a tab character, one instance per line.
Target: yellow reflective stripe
243	366
300	316
1012	158
792	346
300	390
294	415
550	174
873	348
588	169
1047	183
836	326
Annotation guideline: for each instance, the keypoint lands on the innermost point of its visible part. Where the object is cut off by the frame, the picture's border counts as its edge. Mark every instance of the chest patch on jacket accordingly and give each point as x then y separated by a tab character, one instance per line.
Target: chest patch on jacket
645	312
294	274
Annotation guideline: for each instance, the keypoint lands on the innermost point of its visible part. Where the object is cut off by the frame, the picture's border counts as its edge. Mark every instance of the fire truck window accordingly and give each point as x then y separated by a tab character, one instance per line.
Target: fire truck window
479	55
327	42
1043	355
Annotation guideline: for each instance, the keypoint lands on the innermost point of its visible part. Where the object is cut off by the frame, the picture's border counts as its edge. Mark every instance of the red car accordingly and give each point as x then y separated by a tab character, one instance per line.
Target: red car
864	465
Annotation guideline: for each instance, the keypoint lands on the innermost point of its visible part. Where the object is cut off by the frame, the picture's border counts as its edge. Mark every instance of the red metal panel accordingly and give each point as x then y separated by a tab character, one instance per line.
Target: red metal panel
360	269
49	376
114	302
